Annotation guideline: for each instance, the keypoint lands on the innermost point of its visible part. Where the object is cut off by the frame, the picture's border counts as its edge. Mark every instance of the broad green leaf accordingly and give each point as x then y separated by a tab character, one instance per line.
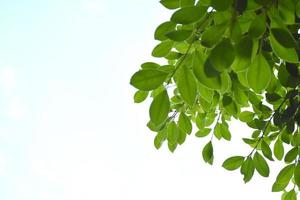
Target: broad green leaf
283	37
247	169
170	4
162	29
159	108
278	149
243	54
259	74
246	116
179	35
213	35
140	96
188	15
258	26
222	56
203	132
287	54
162	49
186	84
185	124
221	5
208	153
291	155
261	165
198	69
267	152
297	175
233	163
147	80
283	178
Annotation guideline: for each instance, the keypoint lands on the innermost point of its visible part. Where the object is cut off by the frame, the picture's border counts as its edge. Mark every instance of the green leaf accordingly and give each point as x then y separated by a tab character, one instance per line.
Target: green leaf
278	149
185	124
186	84
172	132
247	169
233	163
162	29
267	152
170	4
185	3
259	74
218	131
283	178
297	175
181	136
243	54
221	5
246	116
213	35
160	138
150	65
291	155
222	56
162	49
208	153
203	132
225	132
283	37
140	96
229	105
147	80
258	26
287	54
291	195
298	9
159	108
179	35
261	165
188	15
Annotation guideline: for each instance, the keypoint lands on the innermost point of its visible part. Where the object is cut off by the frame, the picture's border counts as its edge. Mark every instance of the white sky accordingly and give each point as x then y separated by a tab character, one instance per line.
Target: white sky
68	127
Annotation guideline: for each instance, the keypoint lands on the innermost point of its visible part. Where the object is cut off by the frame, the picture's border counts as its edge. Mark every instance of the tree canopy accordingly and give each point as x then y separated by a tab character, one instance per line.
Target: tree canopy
229	59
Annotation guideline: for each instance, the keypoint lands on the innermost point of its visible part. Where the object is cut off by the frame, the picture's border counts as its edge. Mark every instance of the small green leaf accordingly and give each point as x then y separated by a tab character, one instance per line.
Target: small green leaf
283	37
261	165
221	5
246	116
218	131
247	169
259	74
208	153
213	35
140	96
233	163
162	49
160	138
291	155
291	195
203	132
162	29
229	105
179	35
278	149
267	152
172	132
170	4
147	80
184	123
188	15
159	108
297	175
225	132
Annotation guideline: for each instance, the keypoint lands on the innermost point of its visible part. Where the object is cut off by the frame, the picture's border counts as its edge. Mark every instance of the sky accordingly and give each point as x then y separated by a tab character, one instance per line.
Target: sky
69	129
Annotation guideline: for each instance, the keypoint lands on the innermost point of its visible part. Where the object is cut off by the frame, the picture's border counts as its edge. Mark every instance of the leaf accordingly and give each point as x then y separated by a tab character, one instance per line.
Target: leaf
159	108
203	132
147	80
225	132
184	123
170	4
208	153
291	155
259	74
188	15
162	29
186	84
246	116
241	6
150	65
181	136
229	105
233	163
218	131
213	35
283	178
179	35
221	5
278	149
283	37
291	195
160	138
172	133
222	56
185	3
243	54
287	54
162	49
297	175
247	169
140	96
261	165
258	26
267	152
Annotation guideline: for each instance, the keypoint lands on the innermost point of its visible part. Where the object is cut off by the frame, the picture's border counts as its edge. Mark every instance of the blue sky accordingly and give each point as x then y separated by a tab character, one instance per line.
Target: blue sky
68	127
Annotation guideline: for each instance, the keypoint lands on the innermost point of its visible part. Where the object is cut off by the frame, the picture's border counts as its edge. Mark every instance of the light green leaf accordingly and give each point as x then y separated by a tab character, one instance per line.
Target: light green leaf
267	152
172	132
213	35
261	165
179	35
160	138
297	175
278	149
147	80
159	108
203	132
221	5
208	153
247	169
185	124
246	116
291	195
140	96
188	15
162	49
162	29
259	74
291	155
233	163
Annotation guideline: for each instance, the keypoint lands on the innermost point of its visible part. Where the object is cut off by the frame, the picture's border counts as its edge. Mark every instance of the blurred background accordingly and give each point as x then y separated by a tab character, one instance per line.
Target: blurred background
69	129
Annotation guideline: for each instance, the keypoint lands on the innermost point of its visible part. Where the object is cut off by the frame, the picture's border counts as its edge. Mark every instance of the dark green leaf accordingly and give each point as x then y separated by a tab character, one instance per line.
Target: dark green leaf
221	5
258	26
283	37
291	155
243	54
170	4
